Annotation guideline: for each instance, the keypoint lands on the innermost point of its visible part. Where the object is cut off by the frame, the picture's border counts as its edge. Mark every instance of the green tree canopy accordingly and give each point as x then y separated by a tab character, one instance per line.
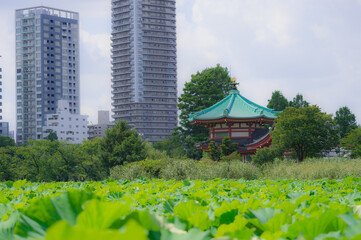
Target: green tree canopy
204	90
121	144
345	120
298	102
353	142
278	102
172	146
228	147
306	131
52	136
6	141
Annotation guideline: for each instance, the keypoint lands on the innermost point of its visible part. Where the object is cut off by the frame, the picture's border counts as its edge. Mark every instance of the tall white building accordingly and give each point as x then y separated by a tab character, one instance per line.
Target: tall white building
144	66
4	126
67	126
47	67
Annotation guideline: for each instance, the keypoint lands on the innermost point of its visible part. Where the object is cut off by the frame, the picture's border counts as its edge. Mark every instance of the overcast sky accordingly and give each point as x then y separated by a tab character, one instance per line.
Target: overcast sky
312	47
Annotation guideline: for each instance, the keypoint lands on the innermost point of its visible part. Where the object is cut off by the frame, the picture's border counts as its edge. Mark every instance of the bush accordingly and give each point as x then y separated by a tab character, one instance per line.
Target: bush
189	169
313	169
153	153
230	157
266	155
179	169
146	169
169	169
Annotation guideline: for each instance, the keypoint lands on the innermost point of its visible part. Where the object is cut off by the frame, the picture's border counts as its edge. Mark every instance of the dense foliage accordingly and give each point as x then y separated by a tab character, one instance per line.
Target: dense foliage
345	120
232	167
6	141
353	142
46	160
298	102
121	144
278	102
306	131
197	210
266	155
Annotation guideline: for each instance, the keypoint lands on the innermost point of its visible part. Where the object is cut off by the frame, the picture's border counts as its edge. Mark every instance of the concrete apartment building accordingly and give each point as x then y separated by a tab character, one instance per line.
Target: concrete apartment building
4	126
144	66
47	67
98	130
67	126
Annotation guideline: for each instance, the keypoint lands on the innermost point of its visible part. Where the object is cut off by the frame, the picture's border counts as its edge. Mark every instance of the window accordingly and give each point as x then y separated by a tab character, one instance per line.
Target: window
221	134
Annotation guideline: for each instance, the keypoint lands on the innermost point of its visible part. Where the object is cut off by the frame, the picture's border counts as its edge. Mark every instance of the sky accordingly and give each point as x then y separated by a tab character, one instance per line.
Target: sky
295	46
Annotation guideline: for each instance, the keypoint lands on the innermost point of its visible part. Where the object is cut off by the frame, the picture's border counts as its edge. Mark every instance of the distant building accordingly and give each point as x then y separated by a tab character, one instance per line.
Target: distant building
4	126
47	67
11	134
67	126
144	66
4	129
98	130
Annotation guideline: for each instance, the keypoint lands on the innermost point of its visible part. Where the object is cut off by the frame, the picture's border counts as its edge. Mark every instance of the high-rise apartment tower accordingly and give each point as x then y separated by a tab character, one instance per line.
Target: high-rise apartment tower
4	126
47	67
144	66
1	96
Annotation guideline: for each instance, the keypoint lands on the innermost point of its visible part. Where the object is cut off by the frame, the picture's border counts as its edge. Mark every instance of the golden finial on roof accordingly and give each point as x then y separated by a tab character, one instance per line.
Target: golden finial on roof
234	84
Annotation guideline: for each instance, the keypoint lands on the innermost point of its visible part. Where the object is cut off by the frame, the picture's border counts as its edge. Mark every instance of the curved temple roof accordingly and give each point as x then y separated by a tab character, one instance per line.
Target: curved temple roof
234	106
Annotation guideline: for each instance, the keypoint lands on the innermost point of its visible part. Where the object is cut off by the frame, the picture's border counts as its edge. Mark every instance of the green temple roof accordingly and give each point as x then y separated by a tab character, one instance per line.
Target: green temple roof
234	106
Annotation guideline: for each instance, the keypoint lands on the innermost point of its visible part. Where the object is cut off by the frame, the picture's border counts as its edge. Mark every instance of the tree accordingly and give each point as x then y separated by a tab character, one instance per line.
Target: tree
306	131
353	142
345	120
121	144
225	149
298	102
172	146
204	90
6	141
228	147
213	151
266	155
8	170
90	159
278	102
52	136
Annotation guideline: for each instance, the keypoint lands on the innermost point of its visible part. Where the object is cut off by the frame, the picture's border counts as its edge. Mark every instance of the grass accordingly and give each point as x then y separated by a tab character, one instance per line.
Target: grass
180	169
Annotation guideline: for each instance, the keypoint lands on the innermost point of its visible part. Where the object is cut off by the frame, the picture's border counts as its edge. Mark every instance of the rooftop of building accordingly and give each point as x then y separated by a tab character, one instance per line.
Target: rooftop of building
48	11
234	106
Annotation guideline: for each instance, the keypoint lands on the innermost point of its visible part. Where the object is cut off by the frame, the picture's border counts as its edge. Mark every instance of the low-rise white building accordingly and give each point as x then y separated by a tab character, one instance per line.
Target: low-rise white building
98	130
67	126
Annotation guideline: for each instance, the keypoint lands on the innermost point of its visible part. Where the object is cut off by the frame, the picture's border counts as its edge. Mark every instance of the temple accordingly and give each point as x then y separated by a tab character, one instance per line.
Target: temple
238	118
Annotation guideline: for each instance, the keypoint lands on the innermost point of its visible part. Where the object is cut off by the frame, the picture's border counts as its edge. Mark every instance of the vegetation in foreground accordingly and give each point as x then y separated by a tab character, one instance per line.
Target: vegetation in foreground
197	210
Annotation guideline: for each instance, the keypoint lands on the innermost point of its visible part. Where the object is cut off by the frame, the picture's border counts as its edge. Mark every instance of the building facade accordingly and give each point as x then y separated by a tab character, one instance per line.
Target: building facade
98	130
4	126
47	67
144	66
67	126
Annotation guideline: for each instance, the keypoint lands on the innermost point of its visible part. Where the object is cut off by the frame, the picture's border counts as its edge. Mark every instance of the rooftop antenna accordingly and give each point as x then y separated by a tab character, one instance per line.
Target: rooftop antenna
230	70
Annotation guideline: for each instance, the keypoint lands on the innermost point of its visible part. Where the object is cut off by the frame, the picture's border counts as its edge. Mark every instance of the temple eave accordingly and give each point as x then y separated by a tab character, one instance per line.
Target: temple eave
228	119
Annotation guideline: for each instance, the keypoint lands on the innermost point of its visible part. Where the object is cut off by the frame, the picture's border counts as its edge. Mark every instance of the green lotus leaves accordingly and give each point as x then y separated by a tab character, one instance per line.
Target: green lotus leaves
179	210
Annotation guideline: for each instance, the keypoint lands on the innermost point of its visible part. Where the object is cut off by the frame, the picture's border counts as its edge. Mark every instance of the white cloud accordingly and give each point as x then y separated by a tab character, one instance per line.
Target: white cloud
291	46
98	45
311	47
